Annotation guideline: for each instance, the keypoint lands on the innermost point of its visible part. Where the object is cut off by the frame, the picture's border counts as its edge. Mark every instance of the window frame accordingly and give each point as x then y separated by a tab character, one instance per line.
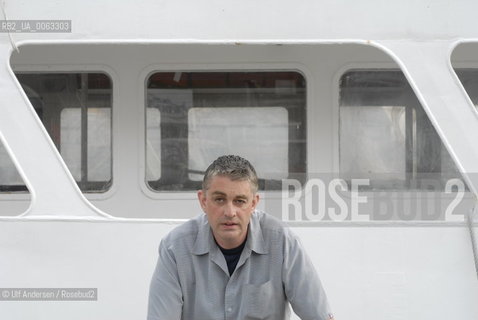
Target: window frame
72	69
412	106
421	194
228	67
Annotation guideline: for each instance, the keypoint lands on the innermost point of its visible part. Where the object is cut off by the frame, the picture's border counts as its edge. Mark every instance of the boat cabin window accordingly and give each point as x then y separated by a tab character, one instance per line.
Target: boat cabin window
469	80
386	136
194	117
75	109
10	179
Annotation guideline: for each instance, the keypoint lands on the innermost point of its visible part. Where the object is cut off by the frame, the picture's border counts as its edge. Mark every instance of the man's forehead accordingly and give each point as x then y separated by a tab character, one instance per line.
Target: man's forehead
220	193
225	185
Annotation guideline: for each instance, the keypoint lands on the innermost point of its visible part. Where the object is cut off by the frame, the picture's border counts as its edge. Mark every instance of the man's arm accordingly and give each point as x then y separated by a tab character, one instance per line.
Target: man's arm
165	296
302	286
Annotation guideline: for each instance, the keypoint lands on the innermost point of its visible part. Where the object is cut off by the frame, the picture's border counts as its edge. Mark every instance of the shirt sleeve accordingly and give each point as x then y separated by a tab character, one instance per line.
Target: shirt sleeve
302	285
165	295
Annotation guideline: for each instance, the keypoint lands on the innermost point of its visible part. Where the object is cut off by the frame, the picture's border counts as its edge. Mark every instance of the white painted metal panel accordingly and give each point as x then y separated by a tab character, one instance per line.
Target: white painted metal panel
370	271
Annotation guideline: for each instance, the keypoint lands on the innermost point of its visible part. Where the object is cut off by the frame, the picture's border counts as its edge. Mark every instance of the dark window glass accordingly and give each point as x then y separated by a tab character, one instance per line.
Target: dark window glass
75	109
194	117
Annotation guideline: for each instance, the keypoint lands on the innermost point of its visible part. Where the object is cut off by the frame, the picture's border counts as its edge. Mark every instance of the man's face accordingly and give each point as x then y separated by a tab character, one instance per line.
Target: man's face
228	205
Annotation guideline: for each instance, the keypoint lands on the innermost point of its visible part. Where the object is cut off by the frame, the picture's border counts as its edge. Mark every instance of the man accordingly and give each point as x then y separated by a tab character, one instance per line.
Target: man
233	262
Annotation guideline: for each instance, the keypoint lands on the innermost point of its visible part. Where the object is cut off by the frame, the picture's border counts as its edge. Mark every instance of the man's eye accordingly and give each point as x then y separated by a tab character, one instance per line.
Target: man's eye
219	200
240	201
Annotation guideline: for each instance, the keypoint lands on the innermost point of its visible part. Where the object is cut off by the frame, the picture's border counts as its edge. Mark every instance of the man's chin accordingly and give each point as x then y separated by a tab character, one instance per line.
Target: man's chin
230	234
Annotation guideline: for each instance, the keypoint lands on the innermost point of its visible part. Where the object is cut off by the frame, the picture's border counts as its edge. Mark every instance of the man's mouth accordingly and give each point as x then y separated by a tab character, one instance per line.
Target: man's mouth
229	224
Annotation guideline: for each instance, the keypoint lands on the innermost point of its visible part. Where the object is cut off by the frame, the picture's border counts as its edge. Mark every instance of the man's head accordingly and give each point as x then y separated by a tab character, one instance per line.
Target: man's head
229	197
233	167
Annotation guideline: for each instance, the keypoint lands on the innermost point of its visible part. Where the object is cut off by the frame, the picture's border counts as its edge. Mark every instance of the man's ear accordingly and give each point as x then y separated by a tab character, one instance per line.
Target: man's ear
255	201
202	199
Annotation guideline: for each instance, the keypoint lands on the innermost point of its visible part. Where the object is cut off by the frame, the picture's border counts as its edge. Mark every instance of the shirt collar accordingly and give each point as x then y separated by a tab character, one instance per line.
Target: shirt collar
205	239
255	240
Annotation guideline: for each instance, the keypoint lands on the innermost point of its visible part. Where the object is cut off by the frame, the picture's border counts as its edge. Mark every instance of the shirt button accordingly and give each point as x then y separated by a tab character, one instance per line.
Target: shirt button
229	309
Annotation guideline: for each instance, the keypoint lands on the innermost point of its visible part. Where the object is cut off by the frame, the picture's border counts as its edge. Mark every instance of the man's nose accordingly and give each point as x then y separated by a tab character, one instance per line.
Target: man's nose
229	210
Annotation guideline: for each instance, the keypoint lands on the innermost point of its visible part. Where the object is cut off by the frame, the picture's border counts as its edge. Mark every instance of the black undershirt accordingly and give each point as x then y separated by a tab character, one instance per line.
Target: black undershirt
232	256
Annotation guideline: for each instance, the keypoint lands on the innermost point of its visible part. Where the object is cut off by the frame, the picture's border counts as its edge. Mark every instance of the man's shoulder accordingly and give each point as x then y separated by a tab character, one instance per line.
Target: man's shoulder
270	225
186	232
273	227
268	222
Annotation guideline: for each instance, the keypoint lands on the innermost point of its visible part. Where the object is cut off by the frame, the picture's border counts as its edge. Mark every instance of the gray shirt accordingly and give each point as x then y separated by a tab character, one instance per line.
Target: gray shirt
191	280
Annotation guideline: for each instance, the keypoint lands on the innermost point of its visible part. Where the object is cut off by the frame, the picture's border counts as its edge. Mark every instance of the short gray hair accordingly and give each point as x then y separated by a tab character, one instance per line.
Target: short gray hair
233	167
